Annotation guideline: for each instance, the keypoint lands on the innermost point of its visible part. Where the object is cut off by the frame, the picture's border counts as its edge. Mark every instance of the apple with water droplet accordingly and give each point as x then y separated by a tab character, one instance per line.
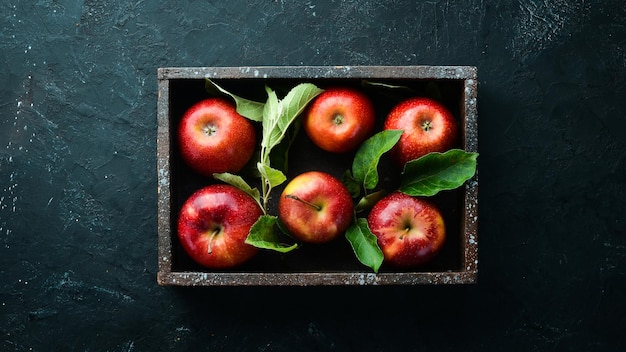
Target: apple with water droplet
213	225
410	230
428	127
339	119
315	207
214	138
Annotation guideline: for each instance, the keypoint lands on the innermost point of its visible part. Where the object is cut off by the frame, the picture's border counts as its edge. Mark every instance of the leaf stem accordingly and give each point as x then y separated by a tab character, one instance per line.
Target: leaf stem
266	187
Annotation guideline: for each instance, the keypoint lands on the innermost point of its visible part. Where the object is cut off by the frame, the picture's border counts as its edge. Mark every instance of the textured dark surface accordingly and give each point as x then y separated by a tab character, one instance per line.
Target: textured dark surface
78	184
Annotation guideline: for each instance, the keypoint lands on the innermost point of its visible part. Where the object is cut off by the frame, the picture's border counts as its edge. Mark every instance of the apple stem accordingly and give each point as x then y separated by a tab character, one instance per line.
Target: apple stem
291	196
213	235
406	230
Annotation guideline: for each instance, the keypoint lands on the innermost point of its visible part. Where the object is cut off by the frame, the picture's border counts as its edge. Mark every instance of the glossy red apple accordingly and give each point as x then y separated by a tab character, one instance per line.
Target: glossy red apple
213	225
339	119
428	127
315	207
214	138
410	230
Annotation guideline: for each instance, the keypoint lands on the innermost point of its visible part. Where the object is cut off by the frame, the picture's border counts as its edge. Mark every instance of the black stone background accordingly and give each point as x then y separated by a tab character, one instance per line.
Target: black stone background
78	213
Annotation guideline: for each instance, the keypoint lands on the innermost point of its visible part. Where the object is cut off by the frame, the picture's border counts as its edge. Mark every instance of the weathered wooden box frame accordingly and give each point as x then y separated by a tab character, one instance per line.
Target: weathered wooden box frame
177	84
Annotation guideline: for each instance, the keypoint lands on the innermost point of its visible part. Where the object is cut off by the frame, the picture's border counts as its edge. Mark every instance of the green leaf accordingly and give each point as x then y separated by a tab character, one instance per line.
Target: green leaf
273	176
239	182
263	235
250	109
296	101
279	155
271	114
367	83
436	172
278	115
353	186
368	201
365	244
395	92
365	164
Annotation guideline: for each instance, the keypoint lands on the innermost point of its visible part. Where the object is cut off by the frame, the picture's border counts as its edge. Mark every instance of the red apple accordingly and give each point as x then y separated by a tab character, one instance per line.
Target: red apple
410	230
339	119
428	127
315	207
214	138
213	225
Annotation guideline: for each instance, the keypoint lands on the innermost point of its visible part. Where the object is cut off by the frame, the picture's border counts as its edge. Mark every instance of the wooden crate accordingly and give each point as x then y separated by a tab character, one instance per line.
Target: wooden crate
334	263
